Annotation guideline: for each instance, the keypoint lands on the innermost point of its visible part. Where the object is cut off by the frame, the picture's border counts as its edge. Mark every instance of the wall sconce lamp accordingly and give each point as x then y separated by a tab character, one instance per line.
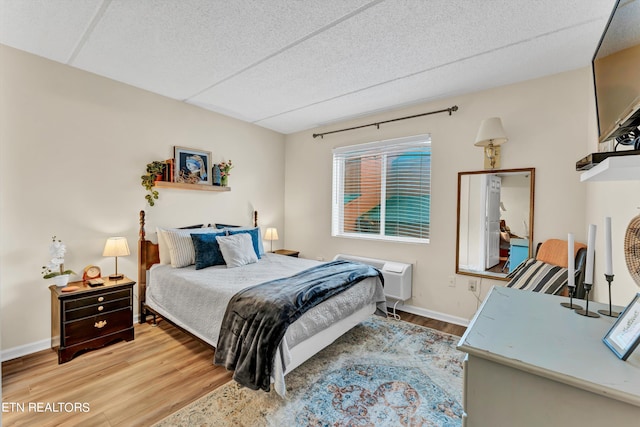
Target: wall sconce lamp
271	234
115	247
490	136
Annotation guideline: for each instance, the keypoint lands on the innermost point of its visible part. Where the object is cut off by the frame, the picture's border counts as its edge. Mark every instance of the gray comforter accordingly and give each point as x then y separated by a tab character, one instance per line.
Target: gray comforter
257	318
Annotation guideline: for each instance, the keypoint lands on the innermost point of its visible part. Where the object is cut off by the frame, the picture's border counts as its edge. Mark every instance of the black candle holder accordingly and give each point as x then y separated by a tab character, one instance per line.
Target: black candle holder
609	312
570	304
586	312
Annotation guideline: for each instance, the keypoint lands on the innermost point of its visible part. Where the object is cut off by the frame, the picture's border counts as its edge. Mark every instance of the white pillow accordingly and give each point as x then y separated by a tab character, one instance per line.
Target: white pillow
237	250
163	248
181	250
231	230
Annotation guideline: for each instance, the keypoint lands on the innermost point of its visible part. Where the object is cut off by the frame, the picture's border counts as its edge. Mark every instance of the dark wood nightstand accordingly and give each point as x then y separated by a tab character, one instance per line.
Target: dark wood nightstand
90	318
287	252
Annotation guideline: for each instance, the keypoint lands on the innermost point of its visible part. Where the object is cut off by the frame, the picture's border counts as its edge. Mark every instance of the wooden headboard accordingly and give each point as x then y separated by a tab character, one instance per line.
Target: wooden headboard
148	255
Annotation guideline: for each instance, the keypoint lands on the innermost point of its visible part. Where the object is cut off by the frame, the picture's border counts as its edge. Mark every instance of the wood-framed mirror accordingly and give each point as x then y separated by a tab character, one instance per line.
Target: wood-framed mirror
495	221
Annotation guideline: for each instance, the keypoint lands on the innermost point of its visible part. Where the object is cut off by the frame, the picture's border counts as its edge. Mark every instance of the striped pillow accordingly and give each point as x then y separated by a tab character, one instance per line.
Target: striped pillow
538	276
181	250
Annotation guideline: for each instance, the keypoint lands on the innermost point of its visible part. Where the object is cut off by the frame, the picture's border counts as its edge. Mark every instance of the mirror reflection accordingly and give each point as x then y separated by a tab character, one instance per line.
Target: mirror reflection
495	221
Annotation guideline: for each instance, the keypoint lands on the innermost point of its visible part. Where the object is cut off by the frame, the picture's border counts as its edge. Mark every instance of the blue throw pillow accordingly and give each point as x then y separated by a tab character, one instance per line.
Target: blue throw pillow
256	239
207	250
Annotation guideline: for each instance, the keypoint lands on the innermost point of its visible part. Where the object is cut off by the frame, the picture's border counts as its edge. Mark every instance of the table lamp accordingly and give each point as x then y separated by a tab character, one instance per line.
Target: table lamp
115	247
271	234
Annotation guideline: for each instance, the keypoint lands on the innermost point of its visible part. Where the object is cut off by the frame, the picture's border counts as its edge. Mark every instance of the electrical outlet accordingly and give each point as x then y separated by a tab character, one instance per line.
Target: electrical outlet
473	285
452	281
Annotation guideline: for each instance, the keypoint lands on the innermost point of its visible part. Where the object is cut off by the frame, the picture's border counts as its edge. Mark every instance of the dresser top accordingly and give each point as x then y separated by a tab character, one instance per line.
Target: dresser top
534	333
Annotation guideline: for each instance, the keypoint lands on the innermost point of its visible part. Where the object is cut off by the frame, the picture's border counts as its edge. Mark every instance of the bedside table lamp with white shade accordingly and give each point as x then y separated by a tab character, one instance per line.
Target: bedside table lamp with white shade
115	247
271	234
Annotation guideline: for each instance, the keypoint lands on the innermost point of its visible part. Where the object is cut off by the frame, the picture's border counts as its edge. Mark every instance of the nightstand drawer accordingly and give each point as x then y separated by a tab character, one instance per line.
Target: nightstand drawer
94	310
103	297
97	326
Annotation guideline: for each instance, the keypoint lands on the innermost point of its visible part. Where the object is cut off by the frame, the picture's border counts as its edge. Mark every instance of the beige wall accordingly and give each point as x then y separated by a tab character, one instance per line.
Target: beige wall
621	201
549	124
73	147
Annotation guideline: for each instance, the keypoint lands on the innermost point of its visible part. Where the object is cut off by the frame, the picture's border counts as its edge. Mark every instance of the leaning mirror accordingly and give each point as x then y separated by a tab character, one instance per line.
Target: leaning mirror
495	221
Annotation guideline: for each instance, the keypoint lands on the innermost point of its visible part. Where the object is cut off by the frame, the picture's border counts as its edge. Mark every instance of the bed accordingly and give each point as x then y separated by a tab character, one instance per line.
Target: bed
195	300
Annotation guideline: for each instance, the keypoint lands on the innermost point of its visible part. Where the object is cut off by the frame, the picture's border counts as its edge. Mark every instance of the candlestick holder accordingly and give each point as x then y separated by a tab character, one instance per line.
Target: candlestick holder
570	304
609	312
586	312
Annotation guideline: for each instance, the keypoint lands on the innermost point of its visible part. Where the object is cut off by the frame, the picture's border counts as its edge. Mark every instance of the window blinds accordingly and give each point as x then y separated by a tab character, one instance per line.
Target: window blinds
382	190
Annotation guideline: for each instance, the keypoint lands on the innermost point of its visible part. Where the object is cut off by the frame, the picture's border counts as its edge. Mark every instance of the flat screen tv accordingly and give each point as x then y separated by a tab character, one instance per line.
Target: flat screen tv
616	75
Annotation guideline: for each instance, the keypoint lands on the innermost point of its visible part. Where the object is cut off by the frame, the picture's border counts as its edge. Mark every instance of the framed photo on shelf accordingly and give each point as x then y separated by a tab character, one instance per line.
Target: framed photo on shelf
192	166
624	335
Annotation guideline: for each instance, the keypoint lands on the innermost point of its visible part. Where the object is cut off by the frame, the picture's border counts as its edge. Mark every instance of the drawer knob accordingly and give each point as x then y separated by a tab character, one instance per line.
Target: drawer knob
101	324
100	299
100	308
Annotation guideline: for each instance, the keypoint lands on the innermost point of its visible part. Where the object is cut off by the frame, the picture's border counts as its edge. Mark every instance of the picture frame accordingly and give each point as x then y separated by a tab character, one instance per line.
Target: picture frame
624	335
192	166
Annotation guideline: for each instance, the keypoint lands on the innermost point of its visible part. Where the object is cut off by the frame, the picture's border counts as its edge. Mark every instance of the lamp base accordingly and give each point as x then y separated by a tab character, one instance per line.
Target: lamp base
116	276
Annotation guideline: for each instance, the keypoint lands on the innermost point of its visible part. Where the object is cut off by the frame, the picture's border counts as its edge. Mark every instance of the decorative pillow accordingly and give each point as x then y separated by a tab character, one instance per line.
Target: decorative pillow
181	250
207	249
163	248
237	250
256	237
538	276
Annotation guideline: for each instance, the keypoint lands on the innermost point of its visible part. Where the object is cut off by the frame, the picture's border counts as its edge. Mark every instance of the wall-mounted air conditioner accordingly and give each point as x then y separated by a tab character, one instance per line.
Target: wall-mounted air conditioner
397	275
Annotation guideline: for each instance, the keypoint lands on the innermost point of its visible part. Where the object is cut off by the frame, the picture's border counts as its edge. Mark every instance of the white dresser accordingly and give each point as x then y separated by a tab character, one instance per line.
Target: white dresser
531	362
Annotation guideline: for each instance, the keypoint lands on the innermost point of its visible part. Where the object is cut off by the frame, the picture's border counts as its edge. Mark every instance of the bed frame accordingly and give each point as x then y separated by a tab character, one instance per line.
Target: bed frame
148	255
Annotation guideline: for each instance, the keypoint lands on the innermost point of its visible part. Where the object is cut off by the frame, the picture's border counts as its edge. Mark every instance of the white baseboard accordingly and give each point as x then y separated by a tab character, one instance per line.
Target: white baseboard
433	315
23	350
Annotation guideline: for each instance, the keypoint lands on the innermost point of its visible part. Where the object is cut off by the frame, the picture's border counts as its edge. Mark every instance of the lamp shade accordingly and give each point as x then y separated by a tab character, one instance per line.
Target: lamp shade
491	132
116	246
271	234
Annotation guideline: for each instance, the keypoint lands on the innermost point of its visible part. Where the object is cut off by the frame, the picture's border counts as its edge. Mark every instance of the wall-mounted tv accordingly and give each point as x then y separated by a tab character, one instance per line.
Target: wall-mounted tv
616	75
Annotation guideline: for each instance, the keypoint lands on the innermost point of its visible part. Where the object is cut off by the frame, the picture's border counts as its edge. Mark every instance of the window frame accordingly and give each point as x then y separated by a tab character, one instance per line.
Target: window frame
384	148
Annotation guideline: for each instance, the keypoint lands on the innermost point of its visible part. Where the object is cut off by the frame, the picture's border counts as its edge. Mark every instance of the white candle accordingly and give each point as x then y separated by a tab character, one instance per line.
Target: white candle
607	242
591	247
571	267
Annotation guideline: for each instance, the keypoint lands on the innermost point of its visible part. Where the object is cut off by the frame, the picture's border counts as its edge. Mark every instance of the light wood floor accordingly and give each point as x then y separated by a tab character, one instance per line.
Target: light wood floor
132	383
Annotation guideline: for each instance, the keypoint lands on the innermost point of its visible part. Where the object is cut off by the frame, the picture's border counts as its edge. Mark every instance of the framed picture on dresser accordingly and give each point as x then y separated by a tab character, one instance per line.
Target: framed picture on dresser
624	335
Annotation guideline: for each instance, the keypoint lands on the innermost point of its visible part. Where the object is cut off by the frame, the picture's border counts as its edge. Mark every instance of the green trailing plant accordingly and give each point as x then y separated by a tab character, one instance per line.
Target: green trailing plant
154	169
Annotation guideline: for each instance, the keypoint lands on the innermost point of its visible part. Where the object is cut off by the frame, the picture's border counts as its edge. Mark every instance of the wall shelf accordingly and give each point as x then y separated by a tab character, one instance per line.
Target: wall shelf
621	168
184	186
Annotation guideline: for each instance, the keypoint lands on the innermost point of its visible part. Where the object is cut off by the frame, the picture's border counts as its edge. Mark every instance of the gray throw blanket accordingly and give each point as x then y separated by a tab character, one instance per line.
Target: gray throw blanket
257	318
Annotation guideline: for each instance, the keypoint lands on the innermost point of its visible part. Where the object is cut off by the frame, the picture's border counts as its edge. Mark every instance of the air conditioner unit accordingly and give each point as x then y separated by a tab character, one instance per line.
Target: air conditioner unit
397	275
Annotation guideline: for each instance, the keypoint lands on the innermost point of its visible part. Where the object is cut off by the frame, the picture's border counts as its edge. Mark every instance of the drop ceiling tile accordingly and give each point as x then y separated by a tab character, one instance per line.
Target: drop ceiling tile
501	67
382	44
50	29
180	48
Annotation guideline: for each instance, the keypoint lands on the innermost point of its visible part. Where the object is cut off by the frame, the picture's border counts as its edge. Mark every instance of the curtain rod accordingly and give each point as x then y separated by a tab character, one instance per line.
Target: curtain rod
449	110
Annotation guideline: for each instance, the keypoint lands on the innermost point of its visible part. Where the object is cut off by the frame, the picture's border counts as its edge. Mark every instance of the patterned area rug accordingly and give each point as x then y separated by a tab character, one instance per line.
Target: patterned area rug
383	372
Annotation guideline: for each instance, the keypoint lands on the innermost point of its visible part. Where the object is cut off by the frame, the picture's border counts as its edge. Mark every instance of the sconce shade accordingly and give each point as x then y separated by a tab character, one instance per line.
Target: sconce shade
116	246
271	234
491	132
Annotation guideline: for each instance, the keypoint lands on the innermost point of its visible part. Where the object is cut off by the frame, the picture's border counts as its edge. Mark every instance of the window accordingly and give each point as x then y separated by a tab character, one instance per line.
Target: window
382	190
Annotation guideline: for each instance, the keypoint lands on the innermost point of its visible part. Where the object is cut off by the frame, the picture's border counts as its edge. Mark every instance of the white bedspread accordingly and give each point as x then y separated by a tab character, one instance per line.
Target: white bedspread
196	300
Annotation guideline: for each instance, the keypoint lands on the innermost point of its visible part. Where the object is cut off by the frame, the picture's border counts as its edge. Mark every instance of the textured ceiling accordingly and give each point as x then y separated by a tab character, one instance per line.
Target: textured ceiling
291	65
